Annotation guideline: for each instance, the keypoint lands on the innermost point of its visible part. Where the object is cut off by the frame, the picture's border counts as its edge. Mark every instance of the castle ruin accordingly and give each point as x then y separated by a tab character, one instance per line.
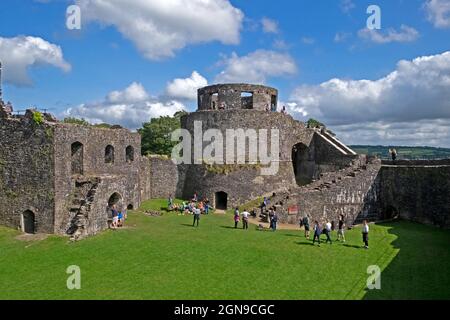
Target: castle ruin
63	178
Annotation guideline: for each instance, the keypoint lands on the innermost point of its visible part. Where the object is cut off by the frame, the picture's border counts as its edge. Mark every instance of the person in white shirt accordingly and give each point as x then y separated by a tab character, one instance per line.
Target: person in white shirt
245	216
327	231
365	234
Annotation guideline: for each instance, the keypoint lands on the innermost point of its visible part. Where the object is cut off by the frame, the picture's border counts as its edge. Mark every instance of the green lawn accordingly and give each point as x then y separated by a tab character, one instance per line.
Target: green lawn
166	258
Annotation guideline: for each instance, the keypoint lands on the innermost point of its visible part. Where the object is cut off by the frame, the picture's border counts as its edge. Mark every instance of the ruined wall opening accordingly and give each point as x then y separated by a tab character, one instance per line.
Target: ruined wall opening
273	103
247	100
390	213
77	151
221	200
130	207
129	153
28	222
114	202
214	101
303	164
109	154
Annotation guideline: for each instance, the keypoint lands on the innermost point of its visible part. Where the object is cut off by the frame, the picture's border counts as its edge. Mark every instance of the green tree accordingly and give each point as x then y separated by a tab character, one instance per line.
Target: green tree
313	123
156	134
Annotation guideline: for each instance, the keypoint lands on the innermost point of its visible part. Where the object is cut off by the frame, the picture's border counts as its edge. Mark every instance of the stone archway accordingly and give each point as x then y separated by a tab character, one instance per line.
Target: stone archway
28	222
221	200
303	165
390	213
77	153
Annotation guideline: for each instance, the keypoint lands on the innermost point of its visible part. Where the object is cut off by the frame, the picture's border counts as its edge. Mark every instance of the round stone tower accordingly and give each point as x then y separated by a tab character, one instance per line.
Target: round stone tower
247	111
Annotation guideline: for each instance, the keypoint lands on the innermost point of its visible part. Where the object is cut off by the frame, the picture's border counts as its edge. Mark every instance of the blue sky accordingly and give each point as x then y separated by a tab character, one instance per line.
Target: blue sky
117	69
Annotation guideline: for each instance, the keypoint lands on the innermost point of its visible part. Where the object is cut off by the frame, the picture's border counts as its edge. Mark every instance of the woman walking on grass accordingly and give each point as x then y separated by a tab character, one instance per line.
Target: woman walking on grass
236	218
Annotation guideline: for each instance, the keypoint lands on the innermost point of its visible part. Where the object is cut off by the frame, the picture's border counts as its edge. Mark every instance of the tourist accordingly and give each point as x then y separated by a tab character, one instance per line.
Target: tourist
270	218
207	207
170	203
245	216
317	232
393	153
263	205
327	231
197	214
195	197
120	219
306	225
341	225
274	220
115	217
236	218
283	111
365	234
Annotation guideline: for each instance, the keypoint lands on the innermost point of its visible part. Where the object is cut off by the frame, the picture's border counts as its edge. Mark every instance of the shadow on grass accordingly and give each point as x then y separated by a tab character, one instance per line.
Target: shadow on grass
306	244
352	246
419	269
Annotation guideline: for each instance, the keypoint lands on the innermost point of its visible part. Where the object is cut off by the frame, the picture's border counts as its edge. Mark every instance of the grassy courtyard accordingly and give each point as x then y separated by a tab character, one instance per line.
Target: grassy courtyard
166	258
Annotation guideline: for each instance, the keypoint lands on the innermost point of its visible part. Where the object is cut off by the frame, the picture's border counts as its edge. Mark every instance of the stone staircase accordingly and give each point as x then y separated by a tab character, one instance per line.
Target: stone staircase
345	150
315	197
80	205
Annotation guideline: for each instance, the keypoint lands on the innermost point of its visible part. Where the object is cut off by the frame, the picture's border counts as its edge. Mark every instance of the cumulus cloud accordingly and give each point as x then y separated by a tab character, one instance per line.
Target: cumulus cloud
159	28
269	25
406	34
415	94
438	12
256	67
20	53
186	89
129	108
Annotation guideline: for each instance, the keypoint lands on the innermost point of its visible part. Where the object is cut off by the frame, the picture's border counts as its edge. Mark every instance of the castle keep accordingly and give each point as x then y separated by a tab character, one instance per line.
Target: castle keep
62	178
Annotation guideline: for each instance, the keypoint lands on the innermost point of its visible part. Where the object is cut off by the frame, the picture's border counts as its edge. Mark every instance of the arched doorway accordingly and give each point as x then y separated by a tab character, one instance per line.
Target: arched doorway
28	222
130	207
221	200
303	164
109	154
77	151
115	200
129	153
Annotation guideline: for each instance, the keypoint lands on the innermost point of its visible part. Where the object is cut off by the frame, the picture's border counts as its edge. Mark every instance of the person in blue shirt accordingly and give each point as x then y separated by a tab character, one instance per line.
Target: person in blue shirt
317	232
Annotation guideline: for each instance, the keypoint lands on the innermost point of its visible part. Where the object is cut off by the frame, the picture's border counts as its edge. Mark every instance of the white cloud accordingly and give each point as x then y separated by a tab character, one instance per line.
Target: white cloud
347	5
342	36
269	25
438	12
186	89
406	34
20	53
308	40
129	108
256	67
159	28
416	93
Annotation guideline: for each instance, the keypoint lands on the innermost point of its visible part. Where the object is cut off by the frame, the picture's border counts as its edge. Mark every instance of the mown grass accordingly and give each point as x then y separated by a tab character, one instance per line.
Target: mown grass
166	258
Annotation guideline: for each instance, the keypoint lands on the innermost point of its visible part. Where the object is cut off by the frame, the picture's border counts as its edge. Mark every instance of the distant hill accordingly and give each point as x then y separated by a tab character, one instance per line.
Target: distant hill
404	152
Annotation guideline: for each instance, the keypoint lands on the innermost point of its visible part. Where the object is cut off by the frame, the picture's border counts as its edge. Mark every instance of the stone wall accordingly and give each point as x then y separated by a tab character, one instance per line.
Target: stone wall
27	173
122	176
417	191
166	178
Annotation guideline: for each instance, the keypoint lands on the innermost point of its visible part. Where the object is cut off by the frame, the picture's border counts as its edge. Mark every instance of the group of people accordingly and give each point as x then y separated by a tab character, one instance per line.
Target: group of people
273	108
237	218
118	217
195	207
327	229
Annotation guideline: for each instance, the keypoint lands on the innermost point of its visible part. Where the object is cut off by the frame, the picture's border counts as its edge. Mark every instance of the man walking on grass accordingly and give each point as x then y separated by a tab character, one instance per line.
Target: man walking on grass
197	214
365	234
